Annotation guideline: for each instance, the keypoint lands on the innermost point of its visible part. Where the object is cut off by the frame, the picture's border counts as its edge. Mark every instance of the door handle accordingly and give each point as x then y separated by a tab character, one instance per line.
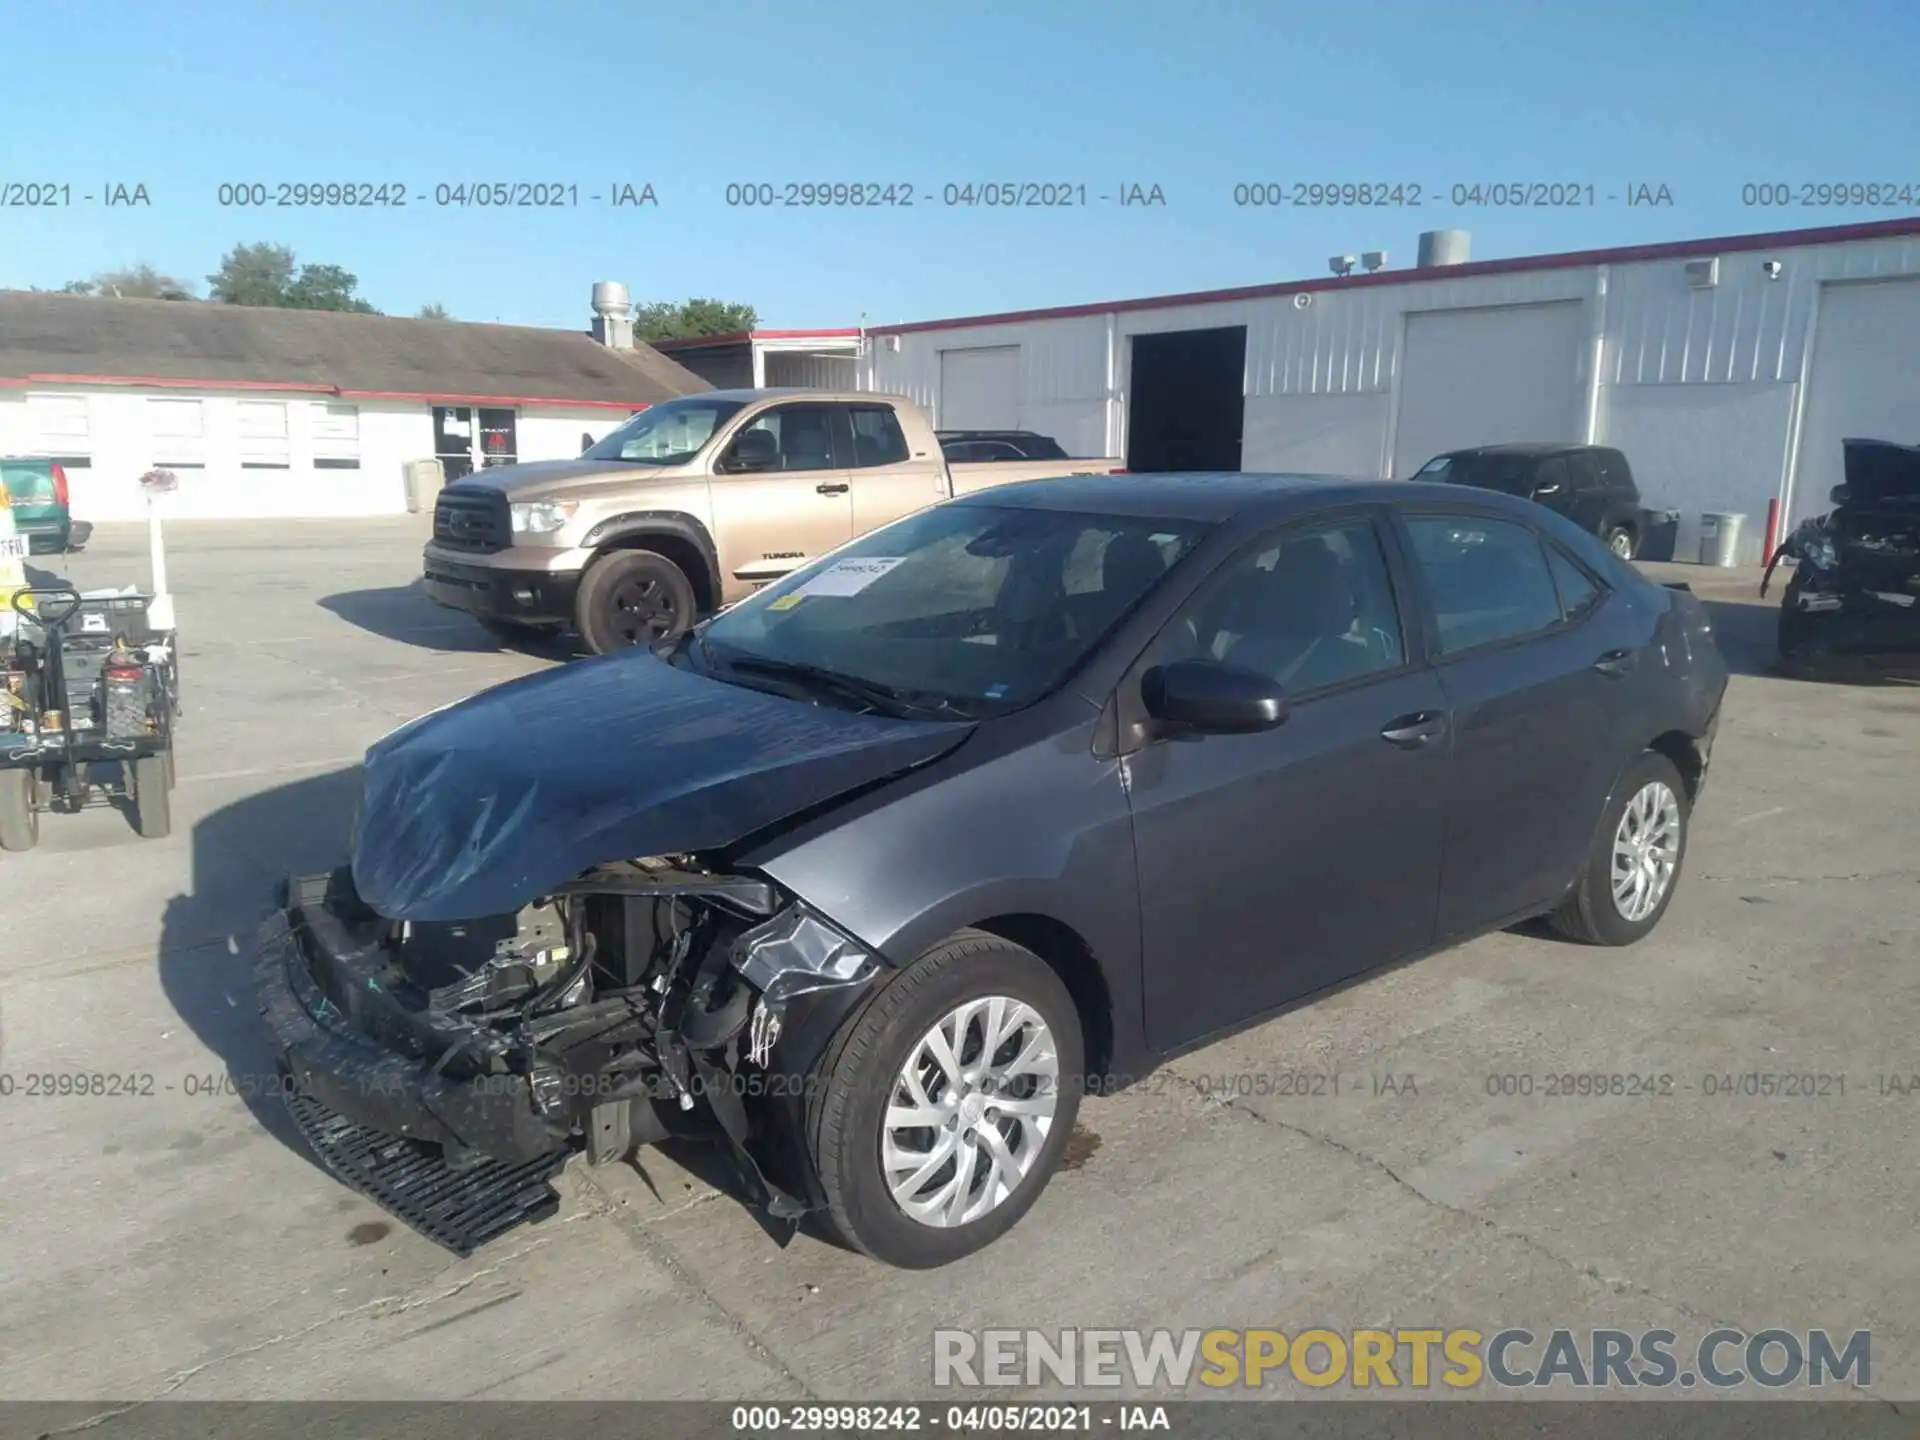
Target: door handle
1410	732
1615	663
826	487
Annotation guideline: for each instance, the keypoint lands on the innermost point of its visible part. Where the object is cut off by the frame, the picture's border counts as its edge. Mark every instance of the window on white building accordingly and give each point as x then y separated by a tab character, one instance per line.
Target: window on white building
177	430
263	435
60	429
336	437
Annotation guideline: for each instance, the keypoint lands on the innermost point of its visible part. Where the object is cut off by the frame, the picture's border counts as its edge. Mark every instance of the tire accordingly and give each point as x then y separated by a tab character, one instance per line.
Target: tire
152	804
1591	913
1622	542
633	597
19	810
855	1083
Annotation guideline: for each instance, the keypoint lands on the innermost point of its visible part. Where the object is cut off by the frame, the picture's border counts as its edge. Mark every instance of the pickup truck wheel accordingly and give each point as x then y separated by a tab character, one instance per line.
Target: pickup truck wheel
19	810
943	1105
1621	542
633	597
1634	866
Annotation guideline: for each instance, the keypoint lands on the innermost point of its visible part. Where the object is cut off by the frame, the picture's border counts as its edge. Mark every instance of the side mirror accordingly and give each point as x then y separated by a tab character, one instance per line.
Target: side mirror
1213	698
751	450
1839	495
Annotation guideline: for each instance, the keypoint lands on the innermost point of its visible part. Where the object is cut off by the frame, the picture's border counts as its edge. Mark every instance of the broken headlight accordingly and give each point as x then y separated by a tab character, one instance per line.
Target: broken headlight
794	954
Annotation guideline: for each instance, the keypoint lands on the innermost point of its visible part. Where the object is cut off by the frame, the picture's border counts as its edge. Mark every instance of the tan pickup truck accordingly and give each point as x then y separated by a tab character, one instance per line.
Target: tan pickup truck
689	506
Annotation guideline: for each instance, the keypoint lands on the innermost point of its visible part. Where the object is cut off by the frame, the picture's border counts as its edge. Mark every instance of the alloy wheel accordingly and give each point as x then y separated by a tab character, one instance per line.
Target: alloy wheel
642	610
1621	544
969	1111
1646	851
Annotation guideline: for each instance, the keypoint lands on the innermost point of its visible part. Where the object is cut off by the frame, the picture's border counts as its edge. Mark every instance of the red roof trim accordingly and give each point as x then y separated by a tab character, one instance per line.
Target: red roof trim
742	337
1620	255
159	382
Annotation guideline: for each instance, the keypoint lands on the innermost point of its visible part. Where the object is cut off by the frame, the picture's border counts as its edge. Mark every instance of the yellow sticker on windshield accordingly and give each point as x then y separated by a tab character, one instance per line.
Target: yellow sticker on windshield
785	602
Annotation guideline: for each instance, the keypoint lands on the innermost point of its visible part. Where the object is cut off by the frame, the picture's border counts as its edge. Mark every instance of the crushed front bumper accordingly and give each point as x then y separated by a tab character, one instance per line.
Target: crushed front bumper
458	1160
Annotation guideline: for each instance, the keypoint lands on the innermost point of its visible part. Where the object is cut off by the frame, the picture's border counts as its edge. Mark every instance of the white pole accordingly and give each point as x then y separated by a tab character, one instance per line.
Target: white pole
160	612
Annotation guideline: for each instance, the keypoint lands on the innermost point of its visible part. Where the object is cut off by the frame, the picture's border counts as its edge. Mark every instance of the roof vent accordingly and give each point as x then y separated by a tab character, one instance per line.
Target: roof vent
1703	274
1341	264
1443	247
612	315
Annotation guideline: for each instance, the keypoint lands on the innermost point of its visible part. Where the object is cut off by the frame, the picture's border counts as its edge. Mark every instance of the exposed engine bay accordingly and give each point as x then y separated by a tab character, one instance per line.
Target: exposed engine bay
643	1000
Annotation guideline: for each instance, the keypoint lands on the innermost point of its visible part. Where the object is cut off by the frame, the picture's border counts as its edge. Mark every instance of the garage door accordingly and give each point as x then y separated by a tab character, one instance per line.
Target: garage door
980	389
1865	381
1480	377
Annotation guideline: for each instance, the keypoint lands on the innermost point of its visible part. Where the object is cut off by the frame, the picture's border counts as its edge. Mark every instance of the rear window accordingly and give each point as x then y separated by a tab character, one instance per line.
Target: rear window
1509	474
29	482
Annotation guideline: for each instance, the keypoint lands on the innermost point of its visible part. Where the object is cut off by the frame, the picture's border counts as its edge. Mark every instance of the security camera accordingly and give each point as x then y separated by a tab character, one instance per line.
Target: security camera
1342	264
1302	300
1771	269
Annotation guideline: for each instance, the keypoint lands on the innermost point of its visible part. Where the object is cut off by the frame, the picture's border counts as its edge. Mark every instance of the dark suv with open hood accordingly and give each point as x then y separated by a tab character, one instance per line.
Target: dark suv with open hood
1856	578
870	875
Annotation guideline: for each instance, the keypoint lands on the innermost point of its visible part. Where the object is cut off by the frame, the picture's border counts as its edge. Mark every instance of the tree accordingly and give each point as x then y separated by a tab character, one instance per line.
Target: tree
433	311
667	320
264	274
136	282
253	275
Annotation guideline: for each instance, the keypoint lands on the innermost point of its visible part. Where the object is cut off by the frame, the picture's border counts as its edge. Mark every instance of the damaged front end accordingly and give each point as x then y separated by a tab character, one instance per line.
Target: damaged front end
1856	580
449	1070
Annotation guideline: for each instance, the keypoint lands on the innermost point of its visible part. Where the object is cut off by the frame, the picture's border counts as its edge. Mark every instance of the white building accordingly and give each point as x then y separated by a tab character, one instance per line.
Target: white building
754	359
267	412
1728	370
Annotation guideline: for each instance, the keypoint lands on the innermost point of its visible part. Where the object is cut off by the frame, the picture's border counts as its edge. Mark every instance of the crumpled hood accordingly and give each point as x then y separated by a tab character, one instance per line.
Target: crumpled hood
479	808
1880	472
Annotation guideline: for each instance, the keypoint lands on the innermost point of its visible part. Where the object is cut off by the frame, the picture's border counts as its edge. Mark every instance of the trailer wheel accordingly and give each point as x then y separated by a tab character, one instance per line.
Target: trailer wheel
19	812
152	806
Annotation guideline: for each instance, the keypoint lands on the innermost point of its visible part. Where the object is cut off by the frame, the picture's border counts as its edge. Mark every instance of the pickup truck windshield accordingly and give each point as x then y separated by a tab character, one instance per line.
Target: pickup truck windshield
668	434
962	610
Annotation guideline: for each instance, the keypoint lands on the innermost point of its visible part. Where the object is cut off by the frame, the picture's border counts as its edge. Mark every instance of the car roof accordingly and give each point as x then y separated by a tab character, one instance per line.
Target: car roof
1525	447
1213	496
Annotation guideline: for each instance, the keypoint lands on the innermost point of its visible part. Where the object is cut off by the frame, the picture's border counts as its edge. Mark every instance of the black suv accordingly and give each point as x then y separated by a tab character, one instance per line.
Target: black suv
1589	484
973	445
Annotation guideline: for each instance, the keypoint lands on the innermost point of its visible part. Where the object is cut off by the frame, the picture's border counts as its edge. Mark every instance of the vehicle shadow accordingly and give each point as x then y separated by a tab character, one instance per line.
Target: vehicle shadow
404	613
209	936
1748	632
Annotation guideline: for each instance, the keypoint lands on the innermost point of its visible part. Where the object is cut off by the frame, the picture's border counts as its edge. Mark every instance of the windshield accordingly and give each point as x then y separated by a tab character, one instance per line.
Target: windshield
668	434
964	610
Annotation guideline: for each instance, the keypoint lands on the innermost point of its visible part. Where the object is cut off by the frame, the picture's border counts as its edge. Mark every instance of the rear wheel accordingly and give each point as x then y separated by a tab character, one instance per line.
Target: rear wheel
943	1106
152	804
19	810
633	597
1634	866
1620	540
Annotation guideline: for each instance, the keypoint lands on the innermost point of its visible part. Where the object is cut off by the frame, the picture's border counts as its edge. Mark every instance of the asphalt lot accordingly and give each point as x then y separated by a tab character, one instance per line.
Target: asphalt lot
181	1245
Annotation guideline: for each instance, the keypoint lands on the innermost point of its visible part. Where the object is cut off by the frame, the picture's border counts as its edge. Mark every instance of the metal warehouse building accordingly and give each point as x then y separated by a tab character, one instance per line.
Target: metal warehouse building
1728	370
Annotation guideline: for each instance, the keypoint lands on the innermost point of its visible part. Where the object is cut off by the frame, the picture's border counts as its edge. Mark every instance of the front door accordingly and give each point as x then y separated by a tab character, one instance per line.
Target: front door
1275	864
782	496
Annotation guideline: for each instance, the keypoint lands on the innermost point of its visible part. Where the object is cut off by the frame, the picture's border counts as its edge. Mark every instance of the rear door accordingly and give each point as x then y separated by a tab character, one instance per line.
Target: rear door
889	480
1533	686
769	521
1588	490
1275	864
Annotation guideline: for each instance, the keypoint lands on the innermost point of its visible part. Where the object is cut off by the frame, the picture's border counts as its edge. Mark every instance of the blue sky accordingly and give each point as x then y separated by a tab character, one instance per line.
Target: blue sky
1701	96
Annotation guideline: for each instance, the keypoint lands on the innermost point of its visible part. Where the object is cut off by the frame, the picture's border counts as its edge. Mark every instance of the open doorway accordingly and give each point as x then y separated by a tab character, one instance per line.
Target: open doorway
1187	400
464	444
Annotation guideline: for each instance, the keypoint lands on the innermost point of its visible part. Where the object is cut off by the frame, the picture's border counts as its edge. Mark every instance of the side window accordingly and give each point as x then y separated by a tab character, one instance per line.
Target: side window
1488	579
1578	593
877	436
791	437
1586	472
1312	609
1552	480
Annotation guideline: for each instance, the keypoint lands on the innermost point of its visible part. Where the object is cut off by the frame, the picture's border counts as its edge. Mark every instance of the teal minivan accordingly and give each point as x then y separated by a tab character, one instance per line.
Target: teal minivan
38	489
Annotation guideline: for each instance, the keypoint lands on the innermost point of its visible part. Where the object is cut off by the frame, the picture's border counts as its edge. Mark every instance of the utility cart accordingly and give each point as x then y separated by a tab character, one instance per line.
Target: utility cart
89	691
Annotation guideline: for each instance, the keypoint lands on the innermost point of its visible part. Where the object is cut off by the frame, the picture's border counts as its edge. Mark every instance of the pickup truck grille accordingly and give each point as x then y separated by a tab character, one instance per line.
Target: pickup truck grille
473	520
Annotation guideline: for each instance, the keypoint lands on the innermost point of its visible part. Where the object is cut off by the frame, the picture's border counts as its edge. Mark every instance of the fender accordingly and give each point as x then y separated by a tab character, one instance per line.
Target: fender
631	523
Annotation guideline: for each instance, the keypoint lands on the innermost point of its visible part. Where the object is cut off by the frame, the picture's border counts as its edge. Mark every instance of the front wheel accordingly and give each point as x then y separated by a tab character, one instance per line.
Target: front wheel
633	597
20	802
943	1105
1621	542
1634	866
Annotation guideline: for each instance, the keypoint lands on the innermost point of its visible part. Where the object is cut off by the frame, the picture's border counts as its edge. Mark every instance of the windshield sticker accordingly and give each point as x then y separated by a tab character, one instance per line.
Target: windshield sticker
847	577
786	602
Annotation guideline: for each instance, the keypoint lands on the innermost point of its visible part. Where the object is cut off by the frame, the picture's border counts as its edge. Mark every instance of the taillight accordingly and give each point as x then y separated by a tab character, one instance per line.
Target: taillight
123	672
59	486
